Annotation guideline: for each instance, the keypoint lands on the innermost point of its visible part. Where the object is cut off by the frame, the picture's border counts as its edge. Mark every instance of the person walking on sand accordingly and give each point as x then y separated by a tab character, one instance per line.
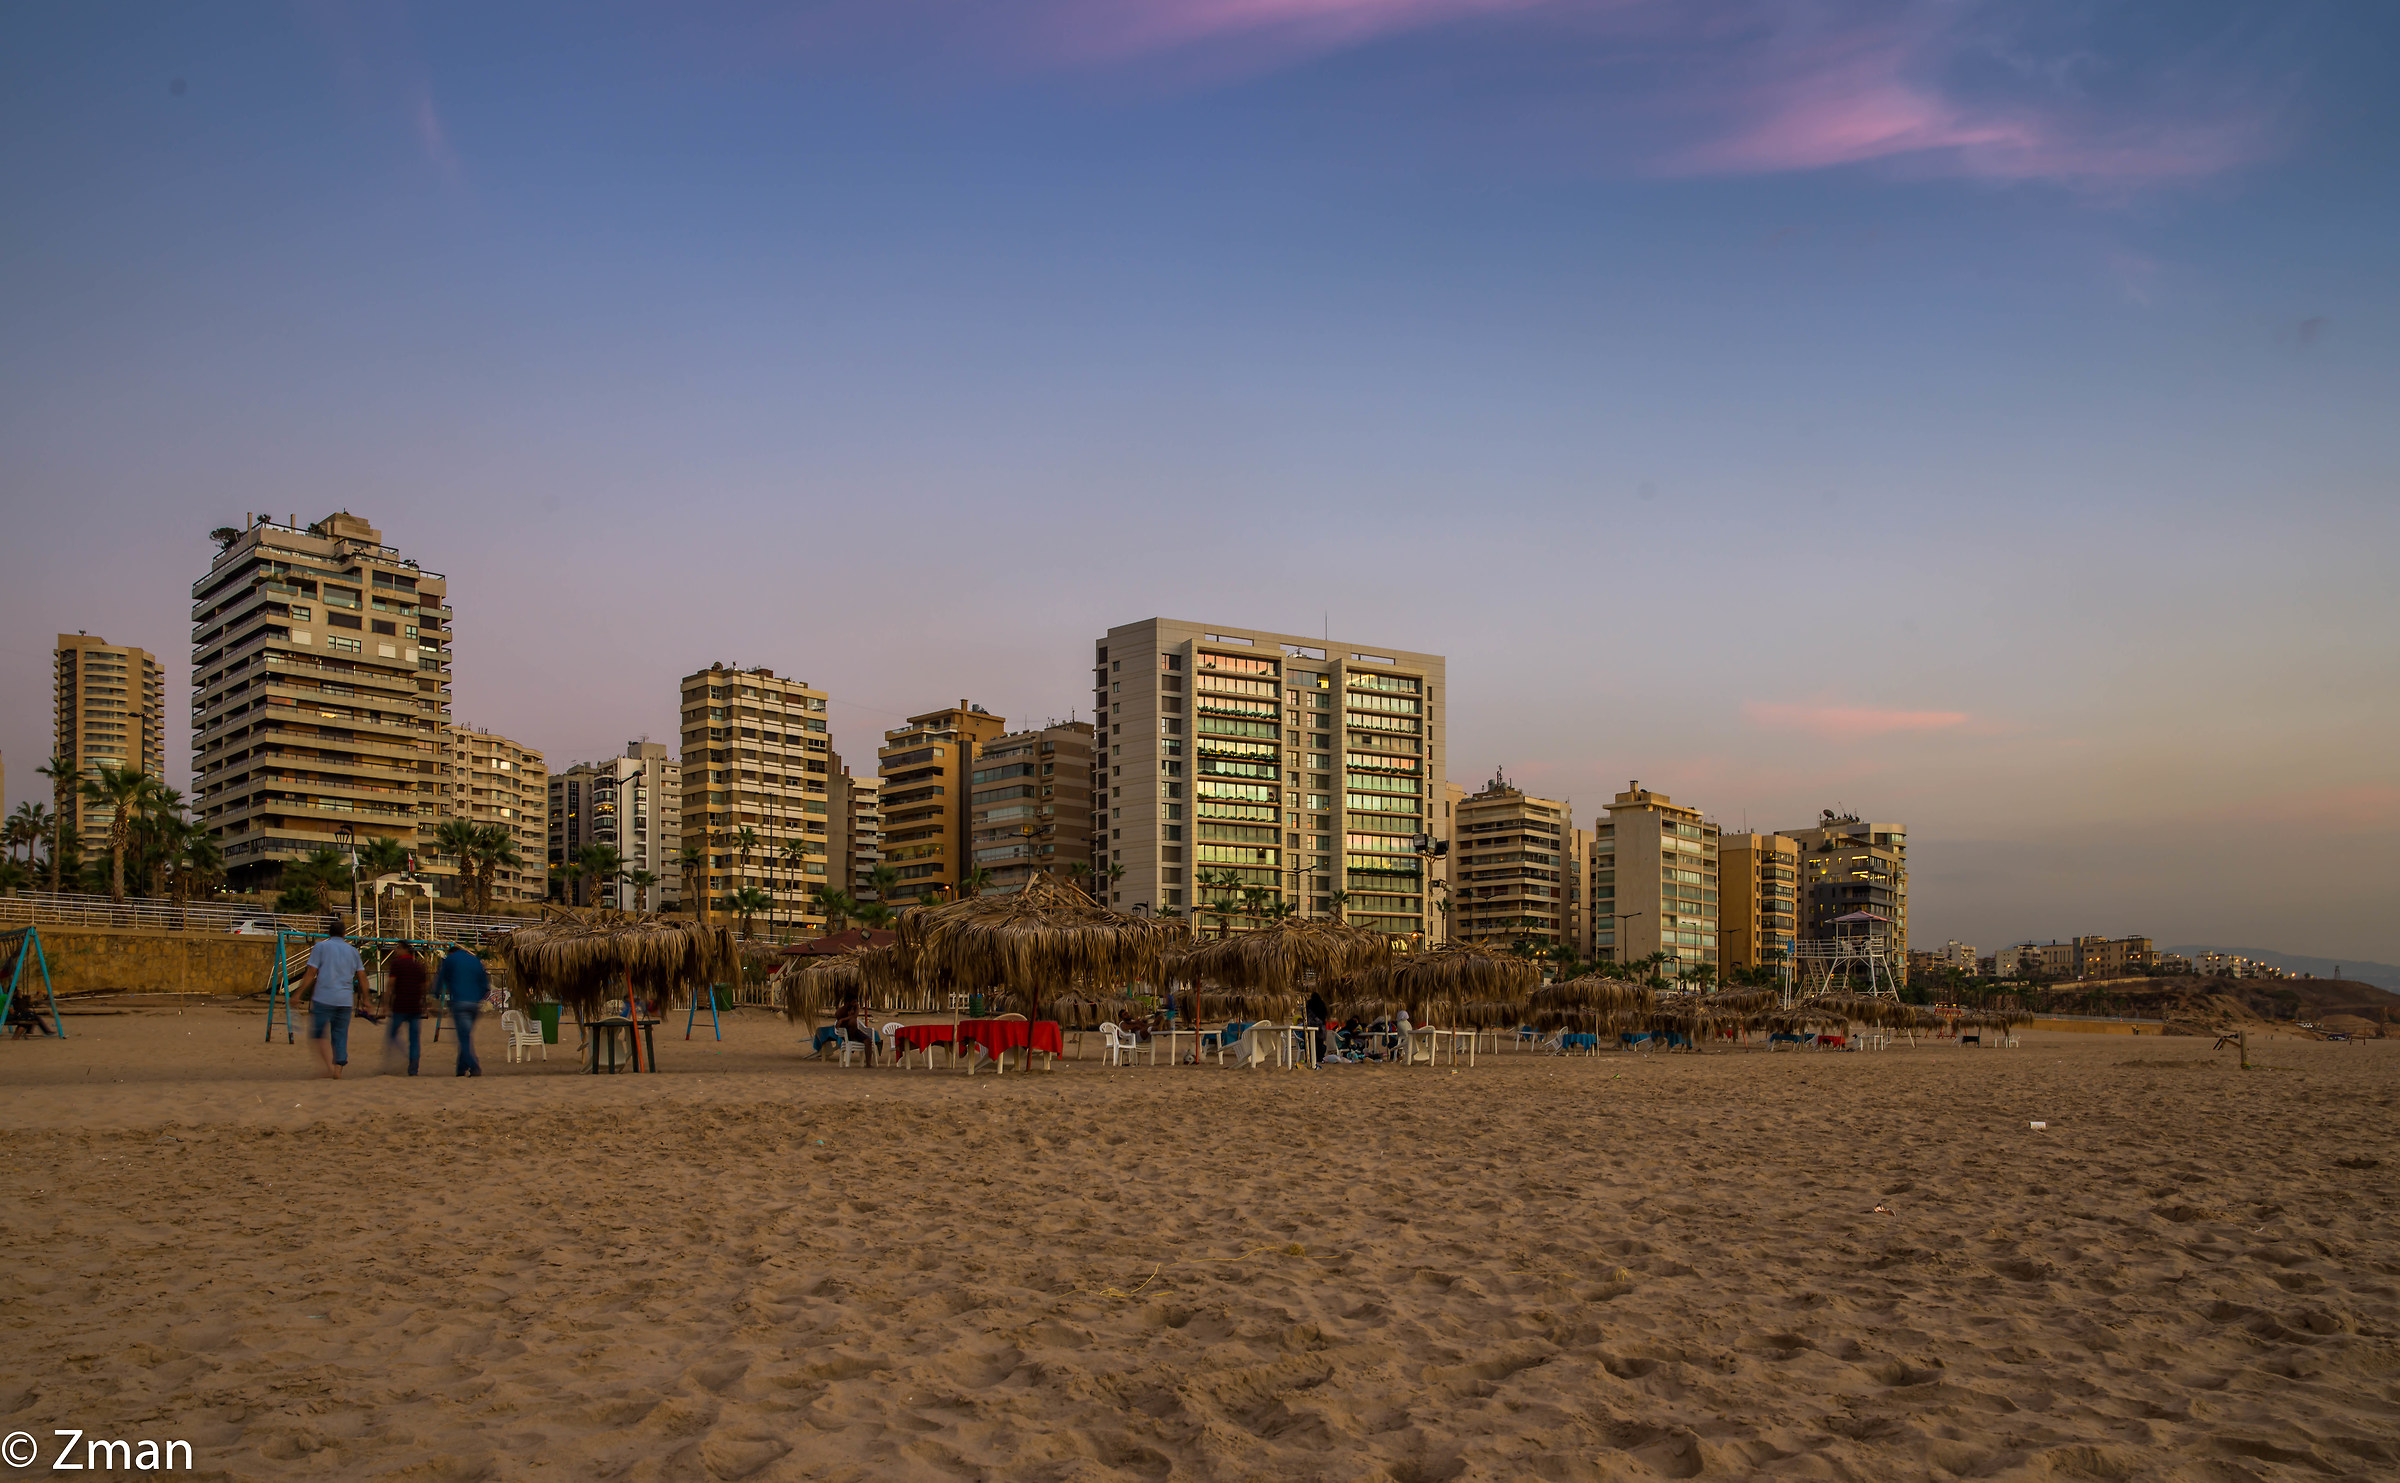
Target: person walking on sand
405	972
331	984
463	984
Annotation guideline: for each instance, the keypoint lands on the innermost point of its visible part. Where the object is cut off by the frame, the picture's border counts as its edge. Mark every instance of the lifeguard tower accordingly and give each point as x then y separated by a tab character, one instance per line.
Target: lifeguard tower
1857	959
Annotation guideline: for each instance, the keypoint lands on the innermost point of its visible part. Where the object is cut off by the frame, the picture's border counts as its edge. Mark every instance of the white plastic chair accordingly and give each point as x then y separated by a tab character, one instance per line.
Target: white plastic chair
891	1040
1118	1045
523	1035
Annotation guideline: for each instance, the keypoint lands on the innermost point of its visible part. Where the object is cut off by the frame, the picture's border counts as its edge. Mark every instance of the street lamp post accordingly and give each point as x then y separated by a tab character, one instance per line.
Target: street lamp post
1619	946
1427	849
349	837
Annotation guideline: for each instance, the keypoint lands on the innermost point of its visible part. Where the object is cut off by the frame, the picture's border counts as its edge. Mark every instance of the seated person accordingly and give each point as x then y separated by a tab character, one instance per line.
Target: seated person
851	1020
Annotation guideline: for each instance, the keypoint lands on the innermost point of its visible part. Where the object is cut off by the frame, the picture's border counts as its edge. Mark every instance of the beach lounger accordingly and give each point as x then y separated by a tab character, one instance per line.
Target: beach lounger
1637	1040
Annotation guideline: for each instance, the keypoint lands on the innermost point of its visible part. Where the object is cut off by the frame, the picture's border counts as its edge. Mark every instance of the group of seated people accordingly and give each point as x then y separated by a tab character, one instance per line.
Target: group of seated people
1337	1041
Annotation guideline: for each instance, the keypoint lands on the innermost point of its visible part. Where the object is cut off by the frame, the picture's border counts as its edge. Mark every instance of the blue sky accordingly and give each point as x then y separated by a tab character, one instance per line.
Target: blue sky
1977	415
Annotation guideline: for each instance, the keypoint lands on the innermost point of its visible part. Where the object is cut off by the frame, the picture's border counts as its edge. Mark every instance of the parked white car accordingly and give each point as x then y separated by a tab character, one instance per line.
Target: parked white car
254	927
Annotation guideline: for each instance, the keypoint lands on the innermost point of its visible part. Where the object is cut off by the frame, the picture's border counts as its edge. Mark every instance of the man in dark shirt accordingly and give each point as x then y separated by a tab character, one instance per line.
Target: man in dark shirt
464	984
405	972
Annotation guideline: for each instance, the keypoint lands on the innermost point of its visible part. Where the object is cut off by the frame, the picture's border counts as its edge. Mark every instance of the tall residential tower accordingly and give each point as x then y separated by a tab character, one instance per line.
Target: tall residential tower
112	712
1654	877
320	687
755	761
1229	758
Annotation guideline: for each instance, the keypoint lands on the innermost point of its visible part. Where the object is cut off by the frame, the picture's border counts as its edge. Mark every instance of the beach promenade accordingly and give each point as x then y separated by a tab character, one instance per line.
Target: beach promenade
1803	1265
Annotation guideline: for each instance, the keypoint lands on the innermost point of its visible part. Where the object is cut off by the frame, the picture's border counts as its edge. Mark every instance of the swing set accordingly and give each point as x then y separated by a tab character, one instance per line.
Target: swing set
17	945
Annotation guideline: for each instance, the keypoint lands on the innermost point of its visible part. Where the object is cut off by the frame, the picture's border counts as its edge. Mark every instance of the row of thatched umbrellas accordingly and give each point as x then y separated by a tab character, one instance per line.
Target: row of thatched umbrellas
1050	950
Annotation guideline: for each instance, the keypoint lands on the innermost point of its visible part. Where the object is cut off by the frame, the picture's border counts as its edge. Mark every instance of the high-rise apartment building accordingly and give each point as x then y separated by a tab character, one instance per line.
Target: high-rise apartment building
1848	866
1758	901
111	712
1029	804
859	804
320	687
488	779
1654	875
756	759
1236	757
632	803
926	768
1509	867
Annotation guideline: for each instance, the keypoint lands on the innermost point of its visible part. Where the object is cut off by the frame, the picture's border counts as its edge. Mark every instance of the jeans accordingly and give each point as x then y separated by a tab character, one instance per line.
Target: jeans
463	1015
334	1017
391	1036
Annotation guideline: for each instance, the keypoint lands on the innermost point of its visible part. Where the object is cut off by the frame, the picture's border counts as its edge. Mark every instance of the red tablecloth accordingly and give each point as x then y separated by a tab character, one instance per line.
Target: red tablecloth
996	1036
916	1037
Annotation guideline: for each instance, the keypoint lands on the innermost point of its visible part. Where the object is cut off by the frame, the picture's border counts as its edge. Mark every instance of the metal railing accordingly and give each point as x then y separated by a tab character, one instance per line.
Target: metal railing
73	909
157	914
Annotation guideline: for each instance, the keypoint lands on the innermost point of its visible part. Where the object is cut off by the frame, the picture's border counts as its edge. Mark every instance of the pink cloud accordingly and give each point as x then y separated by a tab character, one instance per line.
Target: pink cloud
1848	722
1715	87
1097	29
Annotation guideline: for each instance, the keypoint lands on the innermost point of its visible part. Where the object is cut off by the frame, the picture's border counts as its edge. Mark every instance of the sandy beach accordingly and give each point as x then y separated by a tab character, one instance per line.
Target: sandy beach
753	1266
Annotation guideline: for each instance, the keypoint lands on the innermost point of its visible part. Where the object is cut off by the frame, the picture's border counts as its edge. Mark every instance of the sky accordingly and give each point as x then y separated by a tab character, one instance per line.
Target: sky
1973	415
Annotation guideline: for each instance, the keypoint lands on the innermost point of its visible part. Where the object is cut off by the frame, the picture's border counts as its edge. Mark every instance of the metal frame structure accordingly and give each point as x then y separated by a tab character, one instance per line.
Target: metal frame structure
28	940
1825	965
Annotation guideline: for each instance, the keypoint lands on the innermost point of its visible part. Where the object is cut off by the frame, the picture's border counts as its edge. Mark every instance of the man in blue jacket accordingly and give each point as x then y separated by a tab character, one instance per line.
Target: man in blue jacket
463	982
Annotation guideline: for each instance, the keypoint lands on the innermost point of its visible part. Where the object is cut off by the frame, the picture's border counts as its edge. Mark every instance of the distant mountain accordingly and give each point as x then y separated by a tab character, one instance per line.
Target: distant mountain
2382	975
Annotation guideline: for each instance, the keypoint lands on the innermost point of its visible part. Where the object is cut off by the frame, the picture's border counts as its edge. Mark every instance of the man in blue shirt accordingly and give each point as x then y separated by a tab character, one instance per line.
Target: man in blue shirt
331	983
463	982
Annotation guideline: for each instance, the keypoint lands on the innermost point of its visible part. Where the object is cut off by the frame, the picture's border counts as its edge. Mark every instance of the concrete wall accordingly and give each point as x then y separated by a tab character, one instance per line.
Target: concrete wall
87	960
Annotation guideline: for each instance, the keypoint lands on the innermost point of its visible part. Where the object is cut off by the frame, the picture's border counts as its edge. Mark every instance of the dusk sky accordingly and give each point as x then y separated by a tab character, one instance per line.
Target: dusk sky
1981	416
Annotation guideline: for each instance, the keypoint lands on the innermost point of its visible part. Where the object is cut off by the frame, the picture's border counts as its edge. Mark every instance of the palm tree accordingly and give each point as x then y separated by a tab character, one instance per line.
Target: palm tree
749	901
746	841
13	877
641	881
383	855
307	884
1116	873
1341	905
200	866
836	907
795	861
874	915
159	836
456	838
1254	901
884	880
694	866
973	882
495	849
62	785
602	865
1079	873
1278	910
126	792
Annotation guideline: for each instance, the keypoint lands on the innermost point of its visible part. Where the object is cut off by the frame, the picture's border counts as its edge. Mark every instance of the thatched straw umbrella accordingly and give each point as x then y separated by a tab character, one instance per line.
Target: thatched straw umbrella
1035	944
1261	974
581	959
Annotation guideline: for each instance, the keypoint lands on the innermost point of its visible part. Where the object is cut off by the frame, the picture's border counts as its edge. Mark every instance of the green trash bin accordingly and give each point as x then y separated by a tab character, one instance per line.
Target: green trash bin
548	1015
